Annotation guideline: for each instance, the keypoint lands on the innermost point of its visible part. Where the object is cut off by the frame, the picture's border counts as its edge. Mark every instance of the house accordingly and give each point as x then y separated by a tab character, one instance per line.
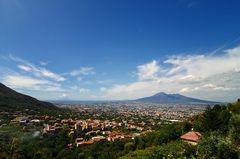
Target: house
20	120
50	129
98	138
191	137
35	121
79	141
89	142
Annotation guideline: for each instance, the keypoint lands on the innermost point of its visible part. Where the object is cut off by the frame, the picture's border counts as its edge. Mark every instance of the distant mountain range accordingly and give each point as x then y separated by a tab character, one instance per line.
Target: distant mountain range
11	100
172	98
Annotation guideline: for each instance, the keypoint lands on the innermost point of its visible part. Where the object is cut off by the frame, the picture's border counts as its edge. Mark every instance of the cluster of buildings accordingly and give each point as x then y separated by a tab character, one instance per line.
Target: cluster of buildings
89	131
25	120
105	135
84	132
129	110
111	121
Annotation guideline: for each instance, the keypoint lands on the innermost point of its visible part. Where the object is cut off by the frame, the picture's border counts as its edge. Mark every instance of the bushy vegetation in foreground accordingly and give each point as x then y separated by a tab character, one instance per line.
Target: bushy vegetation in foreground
220	127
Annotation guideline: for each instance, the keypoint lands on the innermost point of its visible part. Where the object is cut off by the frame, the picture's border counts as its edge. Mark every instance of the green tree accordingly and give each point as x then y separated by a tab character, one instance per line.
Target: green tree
213	119
234	129
215	146
128	147
170	150
139	143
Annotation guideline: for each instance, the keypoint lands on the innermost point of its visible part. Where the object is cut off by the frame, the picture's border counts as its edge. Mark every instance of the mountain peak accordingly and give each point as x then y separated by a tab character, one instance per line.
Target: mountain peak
160	94
163	97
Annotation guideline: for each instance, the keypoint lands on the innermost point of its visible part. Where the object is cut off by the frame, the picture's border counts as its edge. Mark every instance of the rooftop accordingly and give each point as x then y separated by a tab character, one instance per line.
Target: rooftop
191	136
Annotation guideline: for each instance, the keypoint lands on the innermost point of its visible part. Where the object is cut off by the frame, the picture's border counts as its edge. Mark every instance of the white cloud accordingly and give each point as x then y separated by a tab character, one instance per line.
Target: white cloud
29	83
84	90
23	81
46	73
43	63
64	95
83	71
209	85
79	78
148	71
32	80
206	87
187	74
184	90
103	89
24	68
37	71
104	81
204	65
189	78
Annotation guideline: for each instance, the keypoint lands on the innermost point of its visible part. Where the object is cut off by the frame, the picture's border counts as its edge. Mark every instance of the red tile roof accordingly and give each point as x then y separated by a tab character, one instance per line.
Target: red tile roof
191	136
89	142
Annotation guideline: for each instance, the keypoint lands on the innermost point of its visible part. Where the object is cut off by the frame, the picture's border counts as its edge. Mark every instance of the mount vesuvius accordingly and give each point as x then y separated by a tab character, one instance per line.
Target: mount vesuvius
172	98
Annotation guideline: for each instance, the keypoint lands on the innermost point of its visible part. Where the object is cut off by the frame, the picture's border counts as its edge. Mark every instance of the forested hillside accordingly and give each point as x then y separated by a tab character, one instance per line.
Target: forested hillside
11	100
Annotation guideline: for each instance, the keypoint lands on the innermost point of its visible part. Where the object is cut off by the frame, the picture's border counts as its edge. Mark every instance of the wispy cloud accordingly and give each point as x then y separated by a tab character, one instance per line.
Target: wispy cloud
148	71
30	83
189	3
24	68
84	90
43	63
64	95
35	70
104	81
83	71
79	89
41	72
103	89
186	74
30	77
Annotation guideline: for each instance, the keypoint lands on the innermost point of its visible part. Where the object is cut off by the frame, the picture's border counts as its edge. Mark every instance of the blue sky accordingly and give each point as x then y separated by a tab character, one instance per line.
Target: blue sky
109	49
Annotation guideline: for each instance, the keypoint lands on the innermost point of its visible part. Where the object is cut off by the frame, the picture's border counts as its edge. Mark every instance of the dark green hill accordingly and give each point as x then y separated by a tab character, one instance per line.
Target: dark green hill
11	100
